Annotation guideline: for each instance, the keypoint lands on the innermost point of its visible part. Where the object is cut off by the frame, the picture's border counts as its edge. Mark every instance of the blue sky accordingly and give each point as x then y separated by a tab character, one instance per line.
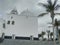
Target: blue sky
32	5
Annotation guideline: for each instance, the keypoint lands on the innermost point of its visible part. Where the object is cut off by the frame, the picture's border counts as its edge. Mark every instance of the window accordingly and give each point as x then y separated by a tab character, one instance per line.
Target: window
11	17
8	22
3	25
13	22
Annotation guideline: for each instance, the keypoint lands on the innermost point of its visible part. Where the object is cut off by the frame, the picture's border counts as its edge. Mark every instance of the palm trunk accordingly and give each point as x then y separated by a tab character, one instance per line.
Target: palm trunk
48	37
57	32
52	16
53	30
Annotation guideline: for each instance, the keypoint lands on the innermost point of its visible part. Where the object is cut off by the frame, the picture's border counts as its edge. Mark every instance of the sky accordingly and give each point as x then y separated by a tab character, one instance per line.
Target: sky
32	5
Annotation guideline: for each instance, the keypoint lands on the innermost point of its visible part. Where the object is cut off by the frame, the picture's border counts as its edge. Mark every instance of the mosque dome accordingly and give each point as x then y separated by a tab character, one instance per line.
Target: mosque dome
27	13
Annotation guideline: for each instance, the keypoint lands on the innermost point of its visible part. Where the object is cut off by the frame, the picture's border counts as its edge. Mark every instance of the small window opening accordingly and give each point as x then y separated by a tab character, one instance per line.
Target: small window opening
3	25
8	22
13	22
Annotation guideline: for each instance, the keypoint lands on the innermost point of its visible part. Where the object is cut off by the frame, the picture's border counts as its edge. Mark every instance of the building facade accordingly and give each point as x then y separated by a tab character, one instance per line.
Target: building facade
23	24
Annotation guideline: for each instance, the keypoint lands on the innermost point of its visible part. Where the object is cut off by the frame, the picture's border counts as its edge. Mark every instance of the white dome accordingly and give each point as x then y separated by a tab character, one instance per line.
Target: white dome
27	13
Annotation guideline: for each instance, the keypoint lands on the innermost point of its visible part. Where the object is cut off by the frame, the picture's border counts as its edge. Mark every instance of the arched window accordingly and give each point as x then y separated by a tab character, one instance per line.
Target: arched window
13	22
8	22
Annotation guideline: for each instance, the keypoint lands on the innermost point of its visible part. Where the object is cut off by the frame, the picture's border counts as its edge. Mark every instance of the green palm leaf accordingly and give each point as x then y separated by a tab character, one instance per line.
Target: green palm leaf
44	5
49	2
55	2
42	14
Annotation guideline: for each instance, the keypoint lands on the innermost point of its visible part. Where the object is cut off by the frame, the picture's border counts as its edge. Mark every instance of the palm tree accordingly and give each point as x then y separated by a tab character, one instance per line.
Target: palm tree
50	8
43	33
57	32
51	34
48	31
56	24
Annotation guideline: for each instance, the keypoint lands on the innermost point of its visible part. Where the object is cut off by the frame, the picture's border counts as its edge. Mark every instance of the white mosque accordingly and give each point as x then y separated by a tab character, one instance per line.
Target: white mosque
23	24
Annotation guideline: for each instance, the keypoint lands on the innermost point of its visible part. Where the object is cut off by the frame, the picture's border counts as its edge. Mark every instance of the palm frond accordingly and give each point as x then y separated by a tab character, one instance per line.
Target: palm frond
42	14
49	2
44	5
57	7
55	2
43	33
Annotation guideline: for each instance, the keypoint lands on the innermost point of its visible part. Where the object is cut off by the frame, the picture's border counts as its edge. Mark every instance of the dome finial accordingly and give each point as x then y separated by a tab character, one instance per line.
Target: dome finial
14	11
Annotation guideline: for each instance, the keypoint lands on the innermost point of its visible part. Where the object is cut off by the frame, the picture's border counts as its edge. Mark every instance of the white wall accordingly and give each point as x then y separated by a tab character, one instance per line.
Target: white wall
1	26
24	26
0	29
